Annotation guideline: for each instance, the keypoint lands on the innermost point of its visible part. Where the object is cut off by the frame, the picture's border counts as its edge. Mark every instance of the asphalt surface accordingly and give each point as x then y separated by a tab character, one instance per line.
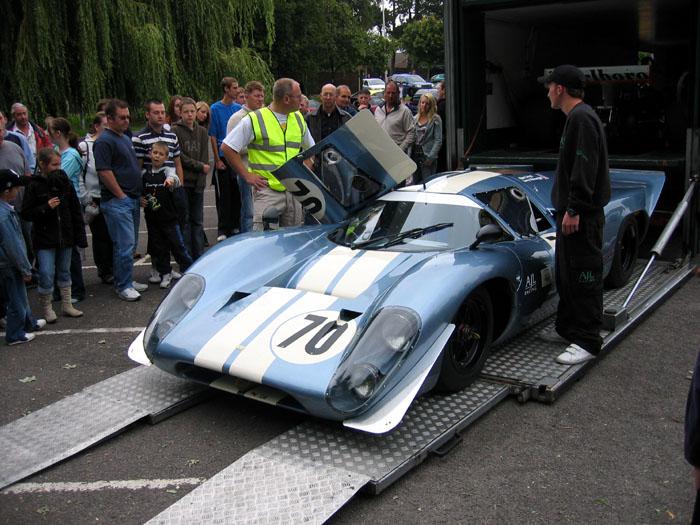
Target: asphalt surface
608	451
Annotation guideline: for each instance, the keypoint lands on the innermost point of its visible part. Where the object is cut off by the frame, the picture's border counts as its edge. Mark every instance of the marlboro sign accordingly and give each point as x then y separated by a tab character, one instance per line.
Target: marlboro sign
610	74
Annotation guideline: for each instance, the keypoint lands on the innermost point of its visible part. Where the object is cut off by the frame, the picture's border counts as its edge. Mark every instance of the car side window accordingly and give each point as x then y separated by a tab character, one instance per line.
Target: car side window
516	209
348	185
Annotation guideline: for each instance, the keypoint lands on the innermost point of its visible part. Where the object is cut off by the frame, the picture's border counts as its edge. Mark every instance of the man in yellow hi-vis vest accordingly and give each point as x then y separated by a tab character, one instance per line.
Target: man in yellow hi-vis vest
273	135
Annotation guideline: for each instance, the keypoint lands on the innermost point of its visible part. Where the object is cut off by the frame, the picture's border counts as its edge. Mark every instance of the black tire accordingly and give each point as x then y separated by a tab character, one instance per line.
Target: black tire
467	349
625	257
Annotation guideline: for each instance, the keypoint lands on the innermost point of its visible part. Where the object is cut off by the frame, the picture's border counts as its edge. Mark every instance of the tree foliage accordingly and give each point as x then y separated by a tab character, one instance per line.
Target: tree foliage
423	40
60	57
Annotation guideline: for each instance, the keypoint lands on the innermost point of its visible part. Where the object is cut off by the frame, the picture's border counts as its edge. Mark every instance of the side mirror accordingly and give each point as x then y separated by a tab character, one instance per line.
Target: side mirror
489	232
271	218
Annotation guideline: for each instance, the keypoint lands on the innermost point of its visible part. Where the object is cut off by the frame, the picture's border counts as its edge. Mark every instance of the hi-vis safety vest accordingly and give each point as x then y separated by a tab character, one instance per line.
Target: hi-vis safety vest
273	146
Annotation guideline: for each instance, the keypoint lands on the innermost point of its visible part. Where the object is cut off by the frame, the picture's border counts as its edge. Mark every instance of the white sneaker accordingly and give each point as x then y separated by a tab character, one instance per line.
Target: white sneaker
139	287
3	322
221	238
155	276
129	294
166	280
28	336
39	324
176	275
573	355
551	336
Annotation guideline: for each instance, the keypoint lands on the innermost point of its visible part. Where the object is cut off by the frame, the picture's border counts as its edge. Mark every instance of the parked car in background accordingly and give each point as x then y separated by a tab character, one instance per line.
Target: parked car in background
374	85
436	79
409	83
415	99
313	106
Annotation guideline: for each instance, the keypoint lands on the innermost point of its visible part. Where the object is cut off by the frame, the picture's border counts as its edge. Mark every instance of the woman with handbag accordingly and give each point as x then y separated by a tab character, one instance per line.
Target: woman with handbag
425	149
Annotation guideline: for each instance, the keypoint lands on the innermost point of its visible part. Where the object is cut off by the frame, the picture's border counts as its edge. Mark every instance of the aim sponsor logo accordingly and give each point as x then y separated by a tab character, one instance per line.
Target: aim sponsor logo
530	284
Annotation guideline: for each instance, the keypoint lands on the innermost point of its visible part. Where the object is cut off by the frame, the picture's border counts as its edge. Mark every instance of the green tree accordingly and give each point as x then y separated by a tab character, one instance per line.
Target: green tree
423	40
378	51
60	57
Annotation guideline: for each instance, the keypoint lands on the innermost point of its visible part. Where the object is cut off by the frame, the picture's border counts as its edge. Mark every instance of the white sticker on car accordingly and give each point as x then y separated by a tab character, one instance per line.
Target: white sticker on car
312	337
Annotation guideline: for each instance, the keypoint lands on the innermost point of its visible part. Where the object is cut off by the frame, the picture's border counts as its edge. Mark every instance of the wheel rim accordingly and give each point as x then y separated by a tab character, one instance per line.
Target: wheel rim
469	336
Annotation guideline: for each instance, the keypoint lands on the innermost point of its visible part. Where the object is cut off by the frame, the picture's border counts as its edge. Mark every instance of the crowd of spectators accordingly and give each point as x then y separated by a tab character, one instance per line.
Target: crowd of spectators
55	183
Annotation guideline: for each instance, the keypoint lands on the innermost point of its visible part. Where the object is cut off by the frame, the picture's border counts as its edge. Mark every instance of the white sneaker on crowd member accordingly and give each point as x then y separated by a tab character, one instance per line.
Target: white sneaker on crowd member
551	336
139	287
166	280
28	336
129	294
221	238
3	322
574	355
154	277
39	324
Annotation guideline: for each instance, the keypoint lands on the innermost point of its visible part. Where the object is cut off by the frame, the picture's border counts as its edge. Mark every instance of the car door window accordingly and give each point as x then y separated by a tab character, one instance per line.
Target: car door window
516	210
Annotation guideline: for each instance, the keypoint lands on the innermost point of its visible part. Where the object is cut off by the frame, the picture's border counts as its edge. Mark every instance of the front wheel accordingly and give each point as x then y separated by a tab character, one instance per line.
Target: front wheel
625	257
467	349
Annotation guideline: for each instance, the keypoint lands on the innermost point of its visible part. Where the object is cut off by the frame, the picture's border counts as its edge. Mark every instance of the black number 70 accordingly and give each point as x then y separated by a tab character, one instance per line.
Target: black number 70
331	331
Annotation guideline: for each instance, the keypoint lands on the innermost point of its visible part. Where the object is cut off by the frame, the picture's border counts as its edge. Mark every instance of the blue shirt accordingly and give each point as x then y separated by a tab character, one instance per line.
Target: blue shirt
72	164
116	153
28	154
220	113
13	253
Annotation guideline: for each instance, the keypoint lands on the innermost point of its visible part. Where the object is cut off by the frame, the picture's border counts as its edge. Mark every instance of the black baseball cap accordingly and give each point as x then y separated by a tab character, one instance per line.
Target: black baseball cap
10	178
565	75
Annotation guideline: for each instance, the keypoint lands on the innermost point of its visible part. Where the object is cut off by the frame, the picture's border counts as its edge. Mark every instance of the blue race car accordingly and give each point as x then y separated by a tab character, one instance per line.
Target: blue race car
392	293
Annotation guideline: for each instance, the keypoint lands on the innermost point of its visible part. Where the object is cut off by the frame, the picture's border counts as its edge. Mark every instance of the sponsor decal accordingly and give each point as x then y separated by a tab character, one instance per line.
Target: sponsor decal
530	284
533	177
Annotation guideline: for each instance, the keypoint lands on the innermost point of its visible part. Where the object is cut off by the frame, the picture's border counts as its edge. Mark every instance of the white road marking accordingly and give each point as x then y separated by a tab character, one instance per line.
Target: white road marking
128	329
92	486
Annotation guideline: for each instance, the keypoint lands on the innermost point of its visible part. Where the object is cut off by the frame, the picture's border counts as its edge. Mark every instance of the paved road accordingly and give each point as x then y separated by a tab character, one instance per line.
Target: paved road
608	451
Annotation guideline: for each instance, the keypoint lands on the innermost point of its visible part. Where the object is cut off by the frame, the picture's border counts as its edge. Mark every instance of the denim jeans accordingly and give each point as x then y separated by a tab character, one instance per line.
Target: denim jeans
19	315
194	230
122	217
53	262
246	205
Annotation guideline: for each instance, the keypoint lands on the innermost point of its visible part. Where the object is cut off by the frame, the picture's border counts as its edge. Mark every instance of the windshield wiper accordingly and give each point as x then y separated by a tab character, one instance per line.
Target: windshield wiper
397	238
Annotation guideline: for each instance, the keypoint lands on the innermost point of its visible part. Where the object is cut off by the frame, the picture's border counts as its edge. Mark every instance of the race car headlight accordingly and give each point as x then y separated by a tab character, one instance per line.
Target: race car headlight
381	348
171	311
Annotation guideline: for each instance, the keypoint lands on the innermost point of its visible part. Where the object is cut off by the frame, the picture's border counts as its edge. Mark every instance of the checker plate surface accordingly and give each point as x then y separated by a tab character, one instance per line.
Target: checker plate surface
309	472
529	360
266	487
64	428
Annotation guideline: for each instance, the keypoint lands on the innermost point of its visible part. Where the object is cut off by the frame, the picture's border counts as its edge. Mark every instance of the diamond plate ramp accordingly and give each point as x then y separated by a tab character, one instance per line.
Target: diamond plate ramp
529	362
306	474
56	432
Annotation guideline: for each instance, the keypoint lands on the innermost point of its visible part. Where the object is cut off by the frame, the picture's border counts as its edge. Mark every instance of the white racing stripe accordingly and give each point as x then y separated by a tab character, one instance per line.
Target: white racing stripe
460	182
319	277
257	356
363	273
216	351
92	486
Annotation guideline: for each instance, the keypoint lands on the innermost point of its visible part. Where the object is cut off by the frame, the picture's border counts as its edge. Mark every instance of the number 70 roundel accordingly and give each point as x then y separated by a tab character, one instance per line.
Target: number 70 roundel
312	337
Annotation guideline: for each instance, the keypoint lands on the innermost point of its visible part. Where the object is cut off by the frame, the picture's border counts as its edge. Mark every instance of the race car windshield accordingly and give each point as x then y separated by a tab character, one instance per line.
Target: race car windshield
439	226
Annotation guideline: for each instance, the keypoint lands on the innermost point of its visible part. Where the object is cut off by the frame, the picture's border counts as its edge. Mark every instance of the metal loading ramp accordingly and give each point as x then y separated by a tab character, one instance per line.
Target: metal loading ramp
527	362
309	472
56	432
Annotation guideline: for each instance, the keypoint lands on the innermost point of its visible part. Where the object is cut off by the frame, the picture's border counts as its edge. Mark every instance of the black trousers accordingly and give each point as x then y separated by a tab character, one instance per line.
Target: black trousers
102	246
228	201
579	276
164	239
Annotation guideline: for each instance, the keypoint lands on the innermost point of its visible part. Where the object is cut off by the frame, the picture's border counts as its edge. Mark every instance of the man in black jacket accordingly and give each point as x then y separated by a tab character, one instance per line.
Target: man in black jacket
581	189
